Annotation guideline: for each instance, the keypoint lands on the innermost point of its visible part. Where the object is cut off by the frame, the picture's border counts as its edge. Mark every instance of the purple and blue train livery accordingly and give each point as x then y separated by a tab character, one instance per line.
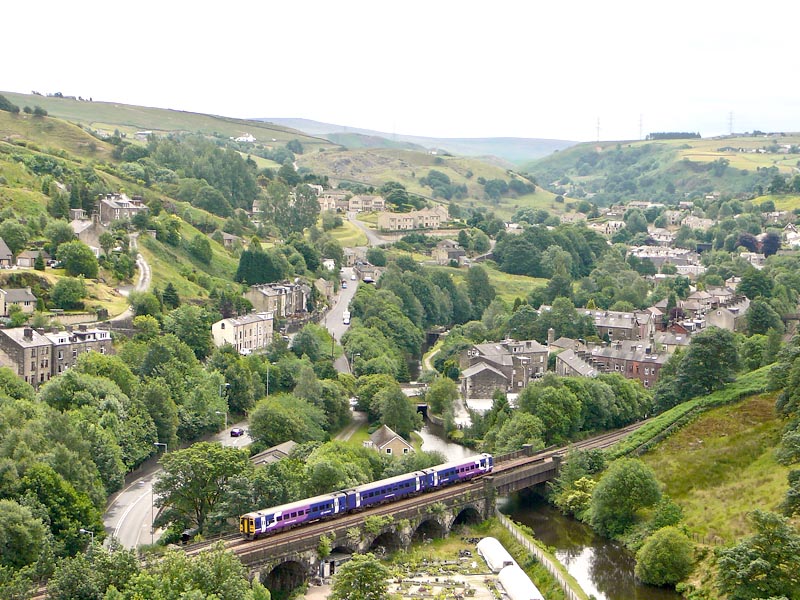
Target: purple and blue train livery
265	522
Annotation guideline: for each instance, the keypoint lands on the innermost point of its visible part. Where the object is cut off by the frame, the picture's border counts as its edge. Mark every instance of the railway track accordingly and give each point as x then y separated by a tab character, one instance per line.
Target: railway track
285	538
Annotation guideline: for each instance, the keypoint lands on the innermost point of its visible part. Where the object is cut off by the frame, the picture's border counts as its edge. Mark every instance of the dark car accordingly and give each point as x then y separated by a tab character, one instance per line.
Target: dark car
237	432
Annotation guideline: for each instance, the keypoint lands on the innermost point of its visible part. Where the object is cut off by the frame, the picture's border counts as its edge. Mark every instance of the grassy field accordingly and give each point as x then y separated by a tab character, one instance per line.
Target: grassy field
108	116
52	135
508	286
721	466
784	202
349	235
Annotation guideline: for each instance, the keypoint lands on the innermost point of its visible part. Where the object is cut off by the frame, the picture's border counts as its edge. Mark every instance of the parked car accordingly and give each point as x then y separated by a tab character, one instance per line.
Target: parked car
344	285
237	432
353	276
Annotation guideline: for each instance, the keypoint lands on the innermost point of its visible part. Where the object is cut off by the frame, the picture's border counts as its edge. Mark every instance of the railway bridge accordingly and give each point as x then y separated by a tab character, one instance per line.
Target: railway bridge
287	559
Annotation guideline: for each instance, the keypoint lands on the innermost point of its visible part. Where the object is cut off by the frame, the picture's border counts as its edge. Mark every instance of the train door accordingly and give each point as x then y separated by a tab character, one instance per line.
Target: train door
417	483
358	499
336	505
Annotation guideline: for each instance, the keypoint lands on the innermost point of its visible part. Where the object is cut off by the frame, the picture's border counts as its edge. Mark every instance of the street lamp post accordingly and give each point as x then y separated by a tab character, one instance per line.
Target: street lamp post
353	361
153	499
91	534
268	364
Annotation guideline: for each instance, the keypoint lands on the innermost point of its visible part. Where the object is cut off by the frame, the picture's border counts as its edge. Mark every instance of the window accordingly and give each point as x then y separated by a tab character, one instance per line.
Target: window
33	351
74	353
388	451
405	450
60	355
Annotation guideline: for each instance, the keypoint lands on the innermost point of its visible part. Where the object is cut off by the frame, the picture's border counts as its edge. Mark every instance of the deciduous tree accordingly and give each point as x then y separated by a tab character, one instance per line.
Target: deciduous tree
665	558
193	479
363	577
627	486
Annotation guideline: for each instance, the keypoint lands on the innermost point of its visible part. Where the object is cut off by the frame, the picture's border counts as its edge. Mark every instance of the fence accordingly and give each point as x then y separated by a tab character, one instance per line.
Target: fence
540	556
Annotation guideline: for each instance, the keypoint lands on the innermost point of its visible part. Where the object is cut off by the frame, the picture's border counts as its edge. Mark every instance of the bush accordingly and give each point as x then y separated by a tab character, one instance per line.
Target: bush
666	557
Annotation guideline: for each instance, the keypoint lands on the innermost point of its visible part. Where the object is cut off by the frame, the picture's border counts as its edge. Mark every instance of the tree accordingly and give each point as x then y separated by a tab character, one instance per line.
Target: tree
38	263
193	480
397	412
627	486
376	256
284	417
170	296
522	428
22	536
665	558
761	317
58	232
441	395
192	325
479	289
363	577
107	243
710	362
200	248
78	259
766	564
755	283
15	235
557	407
68	292
214	573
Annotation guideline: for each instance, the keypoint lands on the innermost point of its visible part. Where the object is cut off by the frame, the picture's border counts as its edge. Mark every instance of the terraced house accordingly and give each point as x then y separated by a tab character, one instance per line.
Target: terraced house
37	356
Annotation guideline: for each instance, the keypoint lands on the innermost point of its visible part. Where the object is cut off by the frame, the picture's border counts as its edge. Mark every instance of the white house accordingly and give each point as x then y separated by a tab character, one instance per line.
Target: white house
247	333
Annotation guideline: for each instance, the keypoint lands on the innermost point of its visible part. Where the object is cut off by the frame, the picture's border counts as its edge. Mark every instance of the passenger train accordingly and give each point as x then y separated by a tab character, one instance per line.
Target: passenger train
278	518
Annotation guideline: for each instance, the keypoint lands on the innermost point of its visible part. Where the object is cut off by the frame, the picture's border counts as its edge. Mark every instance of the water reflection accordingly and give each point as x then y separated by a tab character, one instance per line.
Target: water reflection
602	568
433	439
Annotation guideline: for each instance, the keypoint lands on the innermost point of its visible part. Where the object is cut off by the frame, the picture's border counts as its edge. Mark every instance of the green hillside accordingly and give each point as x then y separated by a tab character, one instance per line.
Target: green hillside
34	150
374	167
105	117
669	170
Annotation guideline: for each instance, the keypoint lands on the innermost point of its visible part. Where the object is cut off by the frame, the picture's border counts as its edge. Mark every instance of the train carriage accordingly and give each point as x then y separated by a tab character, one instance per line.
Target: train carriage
460	470
255	524
384	490
288	515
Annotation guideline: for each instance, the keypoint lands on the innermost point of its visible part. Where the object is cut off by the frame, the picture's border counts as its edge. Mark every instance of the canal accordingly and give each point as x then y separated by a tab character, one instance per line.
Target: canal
602	567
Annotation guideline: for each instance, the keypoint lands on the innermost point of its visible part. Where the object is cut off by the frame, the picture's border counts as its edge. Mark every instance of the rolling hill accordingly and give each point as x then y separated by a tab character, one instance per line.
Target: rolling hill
105	117
669	170
511	150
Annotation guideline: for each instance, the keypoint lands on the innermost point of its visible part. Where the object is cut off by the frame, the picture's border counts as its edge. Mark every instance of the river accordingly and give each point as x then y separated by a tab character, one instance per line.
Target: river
602	567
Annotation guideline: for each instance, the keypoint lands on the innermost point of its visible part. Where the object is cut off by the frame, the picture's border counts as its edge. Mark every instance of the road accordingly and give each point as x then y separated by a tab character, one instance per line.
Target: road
333	321
373	239
130	511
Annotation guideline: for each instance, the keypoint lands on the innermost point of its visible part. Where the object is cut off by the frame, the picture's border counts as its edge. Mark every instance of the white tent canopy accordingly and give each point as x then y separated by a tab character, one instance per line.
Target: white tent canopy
517	584
495	555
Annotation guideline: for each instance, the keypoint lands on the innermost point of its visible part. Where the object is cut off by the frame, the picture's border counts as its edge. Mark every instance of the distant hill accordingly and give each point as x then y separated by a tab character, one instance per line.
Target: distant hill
739	166
105	117
510	150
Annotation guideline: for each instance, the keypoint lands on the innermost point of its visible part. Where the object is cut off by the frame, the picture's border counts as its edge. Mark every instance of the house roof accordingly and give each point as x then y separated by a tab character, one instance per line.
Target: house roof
250	318
5	251
20	295
17	334
479	368
33	254
274	454
384	435
577	364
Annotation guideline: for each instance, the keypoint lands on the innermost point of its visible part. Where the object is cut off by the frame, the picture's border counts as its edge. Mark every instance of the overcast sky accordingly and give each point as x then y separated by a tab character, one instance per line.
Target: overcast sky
523	68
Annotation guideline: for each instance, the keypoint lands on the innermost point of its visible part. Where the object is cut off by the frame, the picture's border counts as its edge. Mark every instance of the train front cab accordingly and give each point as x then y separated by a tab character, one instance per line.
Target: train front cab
247	526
